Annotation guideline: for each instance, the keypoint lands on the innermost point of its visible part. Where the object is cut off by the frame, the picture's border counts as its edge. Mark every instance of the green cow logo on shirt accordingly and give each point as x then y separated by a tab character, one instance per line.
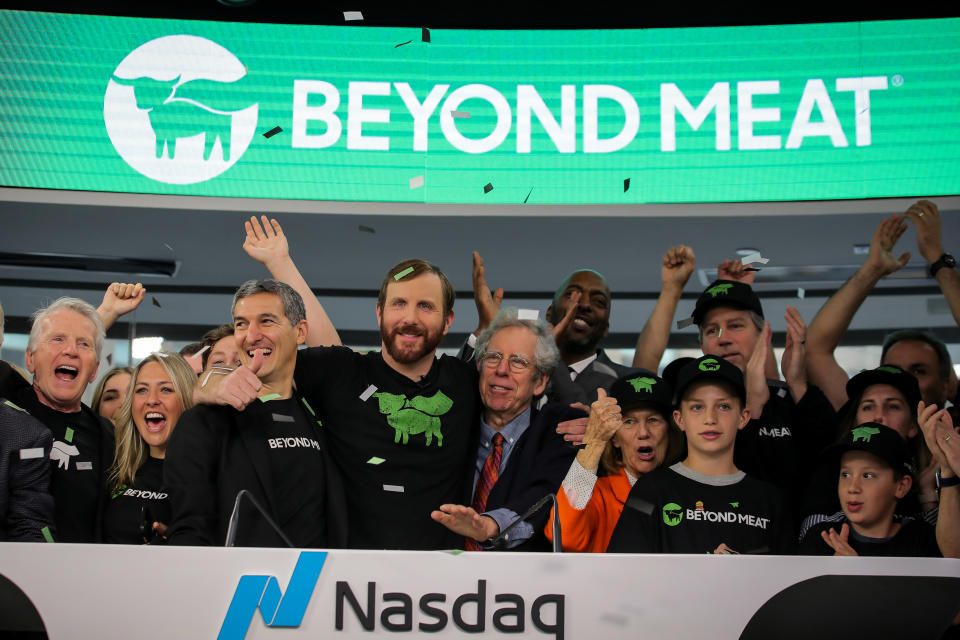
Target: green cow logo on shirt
642	384
719	290
414	415
672	514
864	433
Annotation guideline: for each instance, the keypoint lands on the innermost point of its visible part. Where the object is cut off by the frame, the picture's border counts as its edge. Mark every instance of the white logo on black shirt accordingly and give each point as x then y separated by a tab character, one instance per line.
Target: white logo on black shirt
293	443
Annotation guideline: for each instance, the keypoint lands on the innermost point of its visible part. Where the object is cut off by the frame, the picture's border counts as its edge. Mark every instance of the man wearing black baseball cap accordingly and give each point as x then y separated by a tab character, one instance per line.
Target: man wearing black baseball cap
705	503
790	422
874	474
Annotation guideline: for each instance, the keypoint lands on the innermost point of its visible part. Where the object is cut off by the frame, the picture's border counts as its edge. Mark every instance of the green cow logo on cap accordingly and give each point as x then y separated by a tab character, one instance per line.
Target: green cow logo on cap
709	364
642	384
416	415
889	369
864	433
672	514
719	290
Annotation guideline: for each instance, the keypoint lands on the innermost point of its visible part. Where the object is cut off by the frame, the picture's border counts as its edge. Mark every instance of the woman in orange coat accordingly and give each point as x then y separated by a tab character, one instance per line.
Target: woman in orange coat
629	433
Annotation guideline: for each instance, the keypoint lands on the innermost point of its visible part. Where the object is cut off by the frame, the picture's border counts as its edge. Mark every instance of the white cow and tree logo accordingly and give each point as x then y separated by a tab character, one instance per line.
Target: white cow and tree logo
175	109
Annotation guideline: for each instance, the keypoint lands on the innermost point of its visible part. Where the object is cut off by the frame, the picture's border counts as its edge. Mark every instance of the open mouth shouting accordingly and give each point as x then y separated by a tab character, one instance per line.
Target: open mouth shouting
155	421
646	454
854	507
66	373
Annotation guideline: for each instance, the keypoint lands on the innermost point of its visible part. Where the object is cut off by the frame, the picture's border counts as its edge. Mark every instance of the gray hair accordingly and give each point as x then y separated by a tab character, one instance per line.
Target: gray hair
68	304
292	302
756	317
546	354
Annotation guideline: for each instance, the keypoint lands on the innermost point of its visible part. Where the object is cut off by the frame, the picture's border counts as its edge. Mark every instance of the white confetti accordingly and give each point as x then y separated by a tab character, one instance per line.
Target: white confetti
84	466
801	292
782	393
686	322
527	314
352	15
393	487
200	353
416	182
26	454
460	114
368	392
754	257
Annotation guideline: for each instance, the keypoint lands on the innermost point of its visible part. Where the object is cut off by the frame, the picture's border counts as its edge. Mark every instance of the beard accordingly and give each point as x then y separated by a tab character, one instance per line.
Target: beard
408	354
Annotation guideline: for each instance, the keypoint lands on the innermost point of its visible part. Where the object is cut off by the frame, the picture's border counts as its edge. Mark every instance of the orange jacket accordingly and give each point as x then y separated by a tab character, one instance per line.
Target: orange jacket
589	530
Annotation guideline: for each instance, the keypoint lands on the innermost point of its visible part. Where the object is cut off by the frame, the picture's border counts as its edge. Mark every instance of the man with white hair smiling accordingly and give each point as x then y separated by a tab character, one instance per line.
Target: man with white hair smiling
63	355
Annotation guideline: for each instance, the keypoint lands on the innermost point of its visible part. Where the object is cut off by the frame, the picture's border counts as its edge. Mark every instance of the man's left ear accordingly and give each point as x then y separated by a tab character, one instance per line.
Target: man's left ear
447	322
93	375
541	384
302	331
903	487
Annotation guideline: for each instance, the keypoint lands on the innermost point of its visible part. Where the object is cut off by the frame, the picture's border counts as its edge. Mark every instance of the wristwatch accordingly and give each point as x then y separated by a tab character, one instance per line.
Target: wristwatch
946	482
946	260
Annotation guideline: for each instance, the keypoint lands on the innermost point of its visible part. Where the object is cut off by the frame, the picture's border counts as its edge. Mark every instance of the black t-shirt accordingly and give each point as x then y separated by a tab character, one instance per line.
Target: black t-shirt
780	445
129	506
404	450
677	510
291	447
914	539
78	471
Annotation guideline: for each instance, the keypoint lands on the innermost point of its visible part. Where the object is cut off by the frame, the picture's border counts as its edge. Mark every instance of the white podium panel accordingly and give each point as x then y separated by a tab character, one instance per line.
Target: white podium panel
98	591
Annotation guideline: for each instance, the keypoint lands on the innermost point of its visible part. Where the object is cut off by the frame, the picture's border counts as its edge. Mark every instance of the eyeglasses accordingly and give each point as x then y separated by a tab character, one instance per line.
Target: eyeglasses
492	360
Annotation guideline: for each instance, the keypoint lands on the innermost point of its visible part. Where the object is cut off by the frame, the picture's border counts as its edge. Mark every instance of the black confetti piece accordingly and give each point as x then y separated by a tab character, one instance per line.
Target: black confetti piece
425	35
528	196
626	185
487	188
366	228
402	43
155	303
110	359
272	132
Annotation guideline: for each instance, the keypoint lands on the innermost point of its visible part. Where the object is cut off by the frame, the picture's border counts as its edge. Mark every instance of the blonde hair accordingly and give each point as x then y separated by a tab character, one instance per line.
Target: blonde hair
132	451
98	390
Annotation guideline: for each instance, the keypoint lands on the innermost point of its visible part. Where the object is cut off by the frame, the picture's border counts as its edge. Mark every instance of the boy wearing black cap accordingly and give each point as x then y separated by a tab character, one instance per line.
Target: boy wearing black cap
874	474
704	503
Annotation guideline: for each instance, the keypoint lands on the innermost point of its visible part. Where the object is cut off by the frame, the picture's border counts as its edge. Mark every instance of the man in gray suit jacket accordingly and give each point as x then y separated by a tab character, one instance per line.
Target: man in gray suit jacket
26	506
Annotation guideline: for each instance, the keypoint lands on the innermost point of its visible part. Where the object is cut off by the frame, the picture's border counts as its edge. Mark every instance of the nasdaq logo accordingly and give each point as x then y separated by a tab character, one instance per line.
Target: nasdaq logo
277	609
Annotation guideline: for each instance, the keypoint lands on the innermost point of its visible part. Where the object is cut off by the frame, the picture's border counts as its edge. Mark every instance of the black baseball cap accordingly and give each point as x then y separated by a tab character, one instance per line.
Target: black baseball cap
728	293
903	381
642	386
671	370
880	440
710	368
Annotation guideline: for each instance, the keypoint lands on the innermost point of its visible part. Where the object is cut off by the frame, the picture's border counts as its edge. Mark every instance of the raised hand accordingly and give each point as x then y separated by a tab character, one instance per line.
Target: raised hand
926	217
605	419
488	304
265	241
237	389
941	437
573	430
755	377
120	299
678	265
885	238
735	270
838	541
568	317
793	362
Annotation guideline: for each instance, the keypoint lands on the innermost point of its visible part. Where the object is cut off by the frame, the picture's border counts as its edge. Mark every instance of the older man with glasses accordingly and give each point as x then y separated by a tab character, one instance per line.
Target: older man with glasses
520	457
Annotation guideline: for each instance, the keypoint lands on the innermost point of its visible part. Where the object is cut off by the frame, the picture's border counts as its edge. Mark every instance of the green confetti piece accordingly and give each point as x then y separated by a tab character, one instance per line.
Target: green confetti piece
46	534
319	424
68	436
405	272
309	408
376	460
269	397
455	552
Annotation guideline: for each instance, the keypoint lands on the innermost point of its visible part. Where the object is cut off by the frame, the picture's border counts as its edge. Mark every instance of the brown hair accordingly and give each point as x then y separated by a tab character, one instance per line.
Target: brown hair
611	461
419	267
212	337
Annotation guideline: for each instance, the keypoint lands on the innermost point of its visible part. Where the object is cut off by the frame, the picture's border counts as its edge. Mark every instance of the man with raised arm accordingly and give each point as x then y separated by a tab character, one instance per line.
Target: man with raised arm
580	317
401	423
918	352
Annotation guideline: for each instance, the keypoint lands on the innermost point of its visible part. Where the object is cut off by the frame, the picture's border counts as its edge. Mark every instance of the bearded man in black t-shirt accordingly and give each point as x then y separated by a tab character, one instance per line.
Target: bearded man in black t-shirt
402	424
